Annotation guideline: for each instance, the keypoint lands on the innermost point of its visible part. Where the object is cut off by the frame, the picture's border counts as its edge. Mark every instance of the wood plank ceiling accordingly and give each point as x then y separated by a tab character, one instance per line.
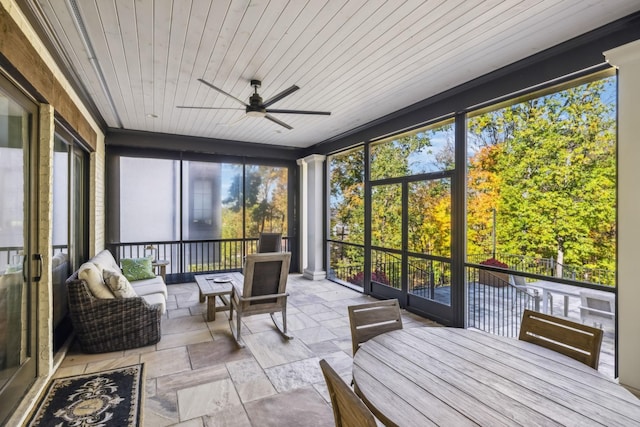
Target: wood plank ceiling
359	59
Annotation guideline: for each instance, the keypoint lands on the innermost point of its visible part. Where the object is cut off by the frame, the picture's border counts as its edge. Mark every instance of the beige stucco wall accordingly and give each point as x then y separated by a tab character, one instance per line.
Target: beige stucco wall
97	210
45	239
627	59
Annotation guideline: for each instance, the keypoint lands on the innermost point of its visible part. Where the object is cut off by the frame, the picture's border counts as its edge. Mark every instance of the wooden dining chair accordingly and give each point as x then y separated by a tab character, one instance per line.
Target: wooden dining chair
372	319
573	339
263	291
348	409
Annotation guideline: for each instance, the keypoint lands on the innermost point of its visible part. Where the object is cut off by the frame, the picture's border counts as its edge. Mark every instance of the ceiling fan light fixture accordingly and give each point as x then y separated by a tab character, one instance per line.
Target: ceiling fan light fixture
254	113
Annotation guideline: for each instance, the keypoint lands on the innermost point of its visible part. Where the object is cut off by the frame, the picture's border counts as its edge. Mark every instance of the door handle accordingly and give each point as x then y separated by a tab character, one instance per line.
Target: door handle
38	257
24	270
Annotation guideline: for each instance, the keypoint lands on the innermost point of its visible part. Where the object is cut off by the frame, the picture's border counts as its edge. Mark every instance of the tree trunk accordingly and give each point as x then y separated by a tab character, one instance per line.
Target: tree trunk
559	263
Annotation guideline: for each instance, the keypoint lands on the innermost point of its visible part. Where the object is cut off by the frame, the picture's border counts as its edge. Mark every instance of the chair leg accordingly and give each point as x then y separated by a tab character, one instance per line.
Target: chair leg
236	332
282	328
284	320
239	329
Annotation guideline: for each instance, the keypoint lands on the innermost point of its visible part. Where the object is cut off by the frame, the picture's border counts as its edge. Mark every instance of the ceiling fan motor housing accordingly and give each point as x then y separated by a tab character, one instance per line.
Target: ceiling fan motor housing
255	107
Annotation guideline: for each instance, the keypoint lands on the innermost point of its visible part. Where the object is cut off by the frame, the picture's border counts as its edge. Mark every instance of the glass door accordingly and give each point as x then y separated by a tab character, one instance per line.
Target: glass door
411	243
79	207
429	246
70	213
17	297
411	176
388	271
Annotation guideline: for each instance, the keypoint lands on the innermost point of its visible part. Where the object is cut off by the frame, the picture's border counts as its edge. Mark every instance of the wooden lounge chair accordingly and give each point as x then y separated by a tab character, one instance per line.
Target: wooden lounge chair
371	319
263	291
348	409
572	339
520	283
598	308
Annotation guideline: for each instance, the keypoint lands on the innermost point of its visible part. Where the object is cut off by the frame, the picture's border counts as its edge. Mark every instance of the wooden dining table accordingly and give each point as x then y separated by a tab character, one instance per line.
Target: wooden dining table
428	376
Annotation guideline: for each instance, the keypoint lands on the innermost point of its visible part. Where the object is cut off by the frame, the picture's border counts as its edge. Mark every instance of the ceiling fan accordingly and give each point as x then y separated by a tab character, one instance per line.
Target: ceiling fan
256	107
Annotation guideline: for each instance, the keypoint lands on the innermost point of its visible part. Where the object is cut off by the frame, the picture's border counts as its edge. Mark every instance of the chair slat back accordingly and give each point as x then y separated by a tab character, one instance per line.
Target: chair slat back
372	319
269	242
519	281
266	280
578	341
598	304
348	409
266	274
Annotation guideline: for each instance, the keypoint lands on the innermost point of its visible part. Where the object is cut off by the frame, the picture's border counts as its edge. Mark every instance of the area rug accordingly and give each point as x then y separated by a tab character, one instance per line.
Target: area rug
105	399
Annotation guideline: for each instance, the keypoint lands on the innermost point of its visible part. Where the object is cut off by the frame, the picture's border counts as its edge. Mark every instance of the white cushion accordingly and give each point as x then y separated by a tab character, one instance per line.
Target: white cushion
104	260
58	259
118	284
90	273
150	286
153	299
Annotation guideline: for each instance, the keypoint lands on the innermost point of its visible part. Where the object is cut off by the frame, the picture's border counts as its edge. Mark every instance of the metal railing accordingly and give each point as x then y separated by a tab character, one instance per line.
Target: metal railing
386	268
10	256
427	276
346	263
187	258
14	255
494	304
550	267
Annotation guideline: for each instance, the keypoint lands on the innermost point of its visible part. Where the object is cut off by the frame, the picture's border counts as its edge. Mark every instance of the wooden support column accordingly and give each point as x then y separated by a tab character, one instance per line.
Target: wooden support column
311	171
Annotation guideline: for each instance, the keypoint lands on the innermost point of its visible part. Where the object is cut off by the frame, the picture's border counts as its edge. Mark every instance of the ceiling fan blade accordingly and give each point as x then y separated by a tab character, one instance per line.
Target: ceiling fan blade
222	92
274	120
322	113
281	95
209	108
236	121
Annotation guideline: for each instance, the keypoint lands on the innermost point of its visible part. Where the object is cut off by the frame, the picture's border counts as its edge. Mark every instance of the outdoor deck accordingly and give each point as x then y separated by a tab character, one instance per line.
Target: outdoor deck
499	310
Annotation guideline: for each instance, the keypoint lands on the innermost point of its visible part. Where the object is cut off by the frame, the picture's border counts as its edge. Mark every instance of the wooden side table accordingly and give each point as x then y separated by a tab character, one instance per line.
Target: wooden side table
161	264
212	286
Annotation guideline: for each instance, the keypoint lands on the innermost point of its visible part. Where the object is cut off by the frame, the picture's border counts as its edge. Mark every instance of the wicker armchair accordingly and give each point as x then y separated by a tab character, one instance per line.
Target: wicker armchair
104	325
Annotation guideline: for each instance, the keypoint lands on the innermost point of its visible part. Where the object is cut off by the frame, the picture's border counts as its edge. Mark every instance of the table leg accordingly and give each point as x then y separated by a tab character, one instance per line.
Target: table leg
545	302
211	308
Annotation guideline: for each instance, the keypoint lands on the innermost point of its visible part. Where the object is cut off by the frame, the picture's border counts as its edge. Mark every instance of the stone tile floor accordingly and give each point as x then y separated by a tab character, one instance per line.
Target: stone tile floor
197	376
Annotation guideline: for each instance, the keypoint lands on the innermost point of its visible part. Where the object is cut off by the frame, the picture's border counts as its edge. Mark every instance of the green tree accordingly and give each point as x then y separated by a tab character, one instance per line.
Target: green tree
483	199
551	176
235	198
429	217
391	159
264	201
346	203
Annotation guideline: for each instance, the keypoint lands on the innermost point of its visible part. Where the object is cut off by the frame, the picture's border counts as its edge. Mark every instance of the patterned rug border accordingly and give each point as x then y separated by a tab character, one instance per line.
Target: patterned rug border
96	392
